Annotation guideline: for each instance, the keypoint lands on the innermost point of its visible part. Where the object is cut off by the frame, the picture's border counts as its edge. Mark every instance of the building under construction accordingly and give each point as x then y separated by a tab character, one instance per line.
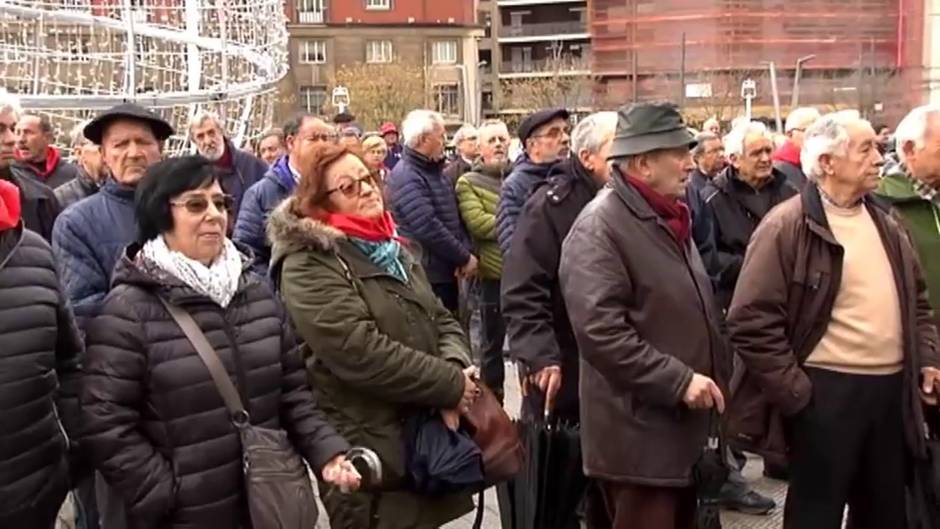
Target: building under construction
864	54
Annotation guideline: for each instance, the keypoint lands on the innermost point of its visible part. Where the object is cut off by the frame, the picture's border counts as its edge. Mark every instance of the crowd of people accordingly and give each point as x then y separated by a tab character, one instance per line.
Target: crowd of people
654	285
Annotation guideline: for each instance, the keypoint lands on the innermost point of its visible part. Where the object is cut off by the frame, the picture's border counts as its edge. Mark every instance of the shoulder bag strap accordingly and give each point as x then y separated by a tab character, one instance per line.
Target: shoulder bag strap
209	357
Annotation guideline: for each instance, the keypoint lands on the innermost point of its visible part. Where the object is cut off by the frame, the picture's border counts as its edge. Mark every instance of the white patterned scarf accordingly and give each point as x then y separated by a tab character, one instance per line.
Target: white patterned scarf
219	281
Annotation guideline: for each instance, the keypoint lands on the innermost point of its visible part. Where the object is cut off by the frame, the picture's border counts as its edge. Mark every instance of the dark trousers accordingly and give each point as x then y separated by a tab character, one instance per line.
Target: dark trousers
641	507
449	294
86	505
492	336
848	447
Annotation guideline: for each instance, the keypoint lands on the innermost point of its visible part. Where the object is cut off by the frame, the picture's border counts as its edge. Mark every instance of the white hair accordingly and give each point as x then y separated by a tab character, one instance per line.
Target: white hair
801	118
592	131
709	122
734	141
488	125
201	117
913	128
78	134
464	132
10	103
418	123
829	135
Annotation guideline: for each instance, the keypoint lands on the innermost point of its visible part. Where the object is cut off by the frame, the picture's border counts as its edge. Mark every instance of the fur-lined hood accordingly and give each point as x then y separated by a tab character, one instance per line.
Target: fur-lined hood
289	232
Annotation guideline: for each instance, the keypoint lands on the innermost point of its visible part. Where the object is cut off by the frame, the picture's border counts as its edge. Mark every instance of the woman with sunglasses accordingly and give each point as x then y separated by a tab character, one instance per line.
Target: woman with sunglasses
156	426
380	344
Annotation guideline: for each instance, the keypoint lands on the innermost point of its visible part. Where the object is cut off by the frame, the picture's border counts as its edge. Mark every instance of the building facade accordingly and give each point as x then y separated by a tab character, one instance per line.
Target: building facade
440	36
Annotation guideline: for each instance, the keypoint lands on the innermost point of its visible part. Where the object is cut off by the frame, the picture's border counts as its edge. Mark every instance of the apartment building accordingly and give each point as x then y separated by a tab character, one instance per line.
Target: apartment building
441	35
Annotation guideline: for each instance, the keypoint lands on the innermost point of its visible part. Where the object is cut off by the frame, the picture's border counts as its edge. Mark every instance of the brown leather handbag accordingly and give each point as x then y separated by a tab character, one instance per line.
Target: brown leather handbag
497	436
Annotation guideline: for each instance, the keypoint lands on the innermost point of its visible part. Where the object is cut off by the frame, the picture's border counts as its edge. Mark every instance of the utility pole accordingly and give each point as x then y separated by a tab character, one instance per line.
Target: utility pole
776	95
795	99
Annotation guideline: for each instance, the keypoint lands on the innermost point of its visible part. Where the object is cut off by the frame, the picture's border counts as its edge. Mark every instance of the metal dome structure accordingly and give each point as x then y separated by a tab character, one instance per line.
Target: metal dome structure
71	58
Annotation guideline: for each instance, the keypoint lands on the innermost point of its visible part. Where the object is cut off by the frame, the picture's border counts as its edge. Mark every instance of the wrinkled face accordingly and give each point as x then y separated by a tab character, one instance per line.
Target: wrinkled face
549	142
712	159
7	137
209	140
714	127
31	142
755	164
270	149
350	141
129	147
351	189
312	132
596	162
924	163
859	169
432	143
89	157
375	157
199	220
666	171
469	147
494	145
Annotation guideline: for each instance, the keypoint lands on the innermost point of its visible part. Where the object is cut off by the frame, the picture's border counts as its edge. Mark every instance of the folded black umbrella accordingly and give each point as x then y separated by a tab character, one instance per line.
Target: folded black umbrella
709	474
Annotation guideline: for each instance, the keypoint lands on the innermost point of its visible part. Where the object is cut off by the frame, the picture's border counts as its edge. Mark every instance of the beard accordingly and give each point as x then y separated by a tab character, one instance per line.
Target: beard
213	153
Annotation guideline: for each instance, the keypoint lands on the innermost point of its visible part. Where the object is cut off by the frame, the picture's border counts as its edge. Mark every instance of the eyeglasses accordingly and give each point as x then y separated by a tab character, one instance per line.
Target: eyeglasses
199	205
352	188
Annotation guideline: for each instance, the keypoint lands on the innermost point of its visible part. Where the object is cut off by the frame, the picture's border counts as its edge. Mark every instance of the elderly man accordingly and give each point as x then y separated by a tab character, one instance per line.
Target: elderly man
36	157
709	159
544	139
424	203
39	207
478	198
913	187
88	238
92	172
466	139
787	157
303	131
737	199
712	126
271	146
646	326
237	169
832	324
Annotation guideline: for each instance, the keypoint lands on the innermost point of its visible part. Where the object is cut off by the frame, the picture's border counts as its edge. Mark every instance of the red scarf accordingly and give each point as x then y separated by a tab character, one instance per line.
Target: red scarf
225	161
671	210
9	205
44	168
375	230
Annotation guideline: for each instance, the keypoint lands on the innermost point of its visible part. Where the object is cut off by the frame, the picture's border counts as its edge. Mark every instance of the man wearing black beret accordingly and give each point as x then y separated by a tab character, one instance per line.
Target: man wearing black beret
89	236
544	137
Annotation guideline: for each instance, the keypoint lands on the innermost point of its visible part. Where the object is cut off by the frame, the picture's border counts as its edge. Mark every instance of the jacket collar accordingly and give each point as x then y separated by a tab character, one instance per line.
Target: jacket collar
631	198
815	212
730	181
122	192
421	160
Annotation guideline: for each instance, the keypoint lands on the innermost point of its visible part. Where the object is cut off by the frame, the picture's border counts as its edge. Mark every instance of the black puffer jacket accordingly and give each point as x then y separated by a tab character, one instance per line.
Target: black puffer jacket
157	428
40	350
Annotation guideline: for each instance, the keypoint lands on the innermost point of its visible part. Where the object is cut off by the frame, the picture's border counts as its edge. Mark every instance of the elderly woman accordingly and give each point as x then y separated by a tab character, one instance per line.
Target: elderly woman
380	342
374	152
156	426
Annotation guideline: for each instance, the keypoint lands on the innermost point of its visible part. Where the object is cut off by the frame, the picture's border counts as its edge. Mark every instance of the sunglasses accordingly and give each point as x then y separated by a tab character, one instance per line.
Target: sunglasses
352	188
199	205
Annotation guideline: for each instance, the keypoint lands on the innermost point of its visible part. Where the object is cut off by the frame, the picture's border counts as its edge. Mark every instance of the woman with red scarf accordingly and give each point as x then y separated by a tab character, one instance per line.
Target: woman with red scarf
378	342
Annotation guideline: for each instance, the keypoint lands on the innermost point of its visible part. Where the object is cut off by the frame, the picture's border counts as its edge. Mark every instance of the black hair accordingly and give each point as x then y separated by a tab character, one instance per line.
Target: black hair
163	181
292	125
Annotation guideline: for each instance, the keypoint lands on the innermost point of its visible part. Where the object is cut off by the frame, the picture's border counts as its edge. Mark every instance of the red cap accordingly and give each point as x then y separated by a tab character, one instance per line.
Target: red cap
388	128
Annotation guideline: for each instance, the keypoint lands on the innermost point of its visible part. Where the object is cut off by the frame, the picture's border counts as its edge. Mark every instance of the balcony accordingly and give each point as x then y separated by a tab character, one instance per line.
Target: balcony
311	17
543	68
544	31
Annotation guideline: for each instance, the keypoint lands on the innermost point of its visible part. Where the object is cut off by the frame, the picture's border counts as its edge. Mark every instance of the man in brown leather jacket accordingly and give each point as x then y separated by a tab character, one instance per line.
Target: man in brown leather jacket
831	320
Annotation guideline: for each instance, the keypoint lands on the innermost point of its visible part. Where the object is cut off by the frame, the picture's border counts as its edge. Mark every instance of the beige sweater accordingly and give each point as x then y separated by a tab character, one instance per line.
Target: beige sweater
864	334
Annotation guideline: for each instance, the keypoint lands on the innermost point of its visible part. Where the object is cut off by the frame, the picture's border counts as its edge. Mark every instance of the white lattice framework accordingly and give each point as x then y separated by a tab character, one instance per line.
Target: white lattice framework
71	58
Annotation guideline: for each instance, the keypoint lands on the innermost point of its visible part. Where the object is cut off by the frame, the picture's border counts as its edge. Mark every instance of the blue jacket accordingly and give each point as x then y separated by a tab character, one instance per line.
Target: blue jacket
245	171
516	190
424	204
88	239
260	199
393	156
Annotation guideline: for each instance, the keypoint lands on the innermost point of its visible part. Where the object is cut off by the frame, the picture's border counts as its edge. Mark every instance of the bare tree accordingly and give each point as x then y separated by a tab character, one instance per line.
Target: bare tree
382	92
559	82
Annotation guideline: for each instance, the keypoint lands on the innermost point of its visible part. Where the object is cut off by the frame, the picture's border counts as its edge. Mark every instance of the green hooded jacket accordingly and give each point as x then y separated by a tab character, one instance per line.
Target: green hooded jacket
478	199
923	221
376	350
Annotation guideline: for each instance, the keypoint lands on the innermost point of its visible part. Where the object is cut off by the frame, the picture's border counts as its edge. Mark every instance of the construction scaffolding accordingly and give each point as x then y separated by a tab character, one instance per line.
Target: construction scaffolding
864	54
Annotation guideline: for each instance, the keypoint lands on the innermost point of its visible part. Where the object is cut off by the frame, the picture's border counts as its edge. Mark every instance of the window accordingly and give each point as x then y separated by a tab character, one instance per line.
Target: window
447	99
379	51
313	52
378	4
313	98
444	52
311	11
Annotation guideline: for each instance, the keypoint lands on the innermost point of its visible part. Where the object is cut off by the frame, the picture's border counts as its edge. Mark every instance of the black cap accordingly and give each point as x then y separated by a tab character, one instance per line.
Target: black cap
645	127
536	120
343	118
95	128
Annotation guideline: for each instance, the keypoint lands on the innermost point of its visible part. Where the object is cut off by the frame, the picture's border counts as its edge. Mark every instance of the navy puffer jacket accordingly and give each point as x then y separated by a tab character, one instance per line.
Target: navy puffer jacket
424	204
259	201
517	187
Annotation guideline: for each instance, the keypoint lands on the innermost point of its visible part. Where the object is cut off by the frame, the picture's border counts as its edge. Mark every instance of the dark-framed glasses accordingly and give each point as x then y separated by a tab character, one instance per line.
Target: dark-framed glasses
199	204
352	187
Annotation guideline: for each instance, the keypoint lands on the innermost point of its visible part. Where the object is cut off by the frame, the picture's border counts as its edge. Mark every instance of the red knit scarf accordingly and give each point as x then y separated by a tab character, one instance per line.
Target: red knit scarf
671	210
10	207
375	229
